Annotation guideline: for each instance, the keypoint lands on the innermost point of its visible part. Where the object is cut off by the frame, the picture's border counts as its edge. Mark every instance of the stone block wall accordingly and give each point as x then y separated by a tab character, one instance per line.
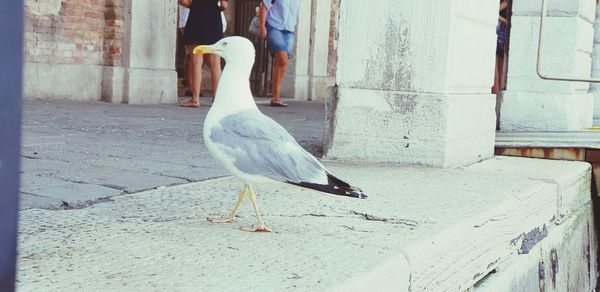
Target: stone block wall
531	103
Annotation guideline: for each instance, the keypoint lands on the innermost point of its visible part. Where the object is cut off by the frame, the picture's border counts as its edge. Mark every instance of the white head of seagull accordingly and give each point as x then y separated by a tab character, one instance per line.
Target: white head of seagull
233	90
236	50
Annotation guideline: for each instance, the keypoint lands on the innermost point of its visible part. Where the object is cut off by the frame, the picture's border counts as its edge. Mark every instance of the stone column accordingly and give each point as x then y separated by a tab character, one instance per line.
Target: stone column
307	77
531	103
295	83
595	87
148	74
413	83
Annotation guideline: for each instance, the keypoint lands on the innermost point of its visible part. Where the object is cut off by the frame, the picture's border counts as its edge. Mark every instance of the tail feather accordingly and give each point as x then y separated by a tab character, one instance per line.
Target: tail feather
335	186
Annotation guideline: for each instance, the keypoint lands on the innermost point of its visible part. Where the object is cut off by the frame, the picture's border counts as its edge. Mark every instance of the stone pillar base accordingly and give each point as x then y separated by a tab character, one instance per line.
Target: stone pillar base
529	111
428	129
62	81
151	86
319	87
139	86
304	87
295	86
113	84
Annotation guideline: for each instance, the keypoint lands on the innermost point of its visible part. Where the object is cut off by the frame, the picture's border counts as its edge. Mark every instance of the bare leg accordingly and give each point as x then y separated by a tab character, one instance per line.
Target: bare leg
194	77
281	63
229	219
501	73
498	76
214	63
260	225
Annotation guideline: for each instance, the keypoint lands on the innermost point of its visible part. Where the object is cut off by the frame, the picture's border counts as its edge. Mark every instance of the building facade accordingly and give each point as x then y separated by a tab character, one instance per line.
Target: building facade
123	51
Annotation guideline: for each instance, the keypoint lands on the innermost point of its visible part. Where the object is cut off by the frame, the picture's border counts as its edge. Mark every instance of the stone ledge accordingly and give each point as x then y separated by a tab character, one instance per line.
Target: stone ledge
423	228
563	261
434	131
572	139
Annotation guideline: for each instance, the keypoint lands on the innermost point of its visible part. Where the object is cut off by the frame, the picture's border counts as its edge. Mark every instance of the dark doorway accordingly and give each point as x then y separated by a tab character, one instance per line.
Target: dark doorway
260	77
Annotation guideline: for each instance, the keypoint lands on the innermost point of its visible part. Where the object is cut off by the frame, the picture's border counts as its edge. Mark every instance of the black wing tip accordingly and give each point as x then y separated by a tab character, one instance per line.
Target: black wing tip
335	186
343	188
358	194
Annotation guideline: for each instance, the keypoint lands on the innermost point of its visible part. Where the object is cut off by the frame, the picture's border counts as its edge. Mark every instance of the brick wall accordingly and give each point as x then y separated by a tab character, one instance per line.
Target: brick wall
74	31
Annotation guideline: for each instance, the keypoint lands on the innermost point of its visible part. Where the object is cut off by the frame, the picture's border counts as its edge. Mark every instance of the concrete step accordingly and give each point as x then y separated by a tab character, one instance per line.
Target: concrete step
421	229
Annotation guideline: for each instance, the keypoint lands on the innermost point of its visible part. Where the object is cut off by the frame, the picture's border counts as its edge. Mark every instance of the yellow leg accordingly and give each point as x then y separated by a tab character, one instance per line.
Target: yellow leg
229	219
260	225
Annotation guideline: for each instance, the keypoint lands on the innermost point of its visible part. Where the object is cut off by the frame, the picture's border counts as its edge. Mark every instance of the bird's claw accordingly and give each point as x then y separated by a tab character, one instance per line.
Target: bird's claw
253	228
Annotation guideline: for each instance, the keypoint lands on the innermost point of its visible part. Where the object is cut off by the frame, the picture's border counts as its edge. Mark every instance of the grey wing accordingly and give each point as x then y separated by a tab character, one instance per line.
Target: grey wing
260	146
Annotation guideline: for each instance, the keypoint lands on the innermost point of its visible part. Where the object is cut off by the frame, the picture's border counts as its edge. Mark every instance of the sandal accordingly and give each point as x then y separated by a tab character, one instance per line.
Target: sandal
190	103
278	104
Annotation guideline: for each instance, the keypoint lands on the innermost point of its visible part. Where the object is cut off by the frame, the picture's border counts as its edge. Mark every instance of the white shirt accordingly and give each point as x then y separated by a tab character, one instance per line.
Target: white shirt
184	12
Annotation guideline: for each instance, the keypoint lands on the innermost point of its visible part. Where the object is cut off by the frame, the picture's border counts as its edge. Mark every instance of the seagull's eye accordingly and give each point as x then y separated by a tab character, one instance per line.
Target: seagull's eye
224	44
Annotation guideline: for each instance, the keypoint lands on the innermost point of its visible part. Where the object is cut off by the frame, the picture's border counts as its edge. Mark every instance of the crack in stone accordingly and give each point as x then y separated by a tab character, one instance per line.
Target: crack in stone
365	216
187	180
370	217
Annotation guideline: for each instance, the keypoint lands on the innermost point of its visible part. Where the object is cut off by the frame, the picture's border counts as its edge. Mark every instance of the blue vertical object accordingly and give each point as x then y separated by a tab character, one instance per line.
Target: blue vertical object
11	70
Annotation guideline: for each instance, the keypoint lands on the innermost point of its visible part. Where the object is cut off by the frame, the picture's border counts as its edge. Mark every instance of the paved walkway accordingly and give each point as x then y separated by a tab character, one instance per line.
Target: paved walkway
432	229
75	154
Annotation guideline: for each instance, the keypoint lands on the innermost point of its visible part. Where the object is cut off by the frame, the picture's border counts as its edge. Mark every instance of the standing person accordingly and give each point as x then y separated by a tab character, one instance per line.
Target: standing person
278	20
204	27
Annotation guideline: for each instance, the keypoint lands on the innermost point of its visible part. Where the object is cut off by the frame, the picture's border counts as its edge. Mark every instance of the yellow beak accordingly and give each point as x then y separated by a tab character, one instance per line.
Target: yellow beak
203	50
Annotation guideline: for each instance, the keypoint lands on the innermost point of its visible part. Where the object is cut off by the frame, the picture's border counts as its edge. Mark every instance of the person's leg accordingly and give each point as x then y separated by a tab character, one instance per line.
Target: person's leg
195	77
214	62
496	86
501	73
279	44
279	68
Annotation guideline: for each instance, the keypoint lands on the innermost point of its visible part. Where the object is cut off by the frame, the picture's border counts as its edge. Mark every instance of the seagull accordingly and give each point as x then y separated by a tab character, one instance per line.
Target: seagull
252	146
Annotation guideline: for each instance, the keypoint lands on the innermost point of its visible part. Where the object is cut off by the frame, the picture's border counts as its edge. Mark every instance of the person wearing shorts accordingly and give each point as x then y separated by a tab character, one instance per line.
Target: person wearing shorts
278	20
